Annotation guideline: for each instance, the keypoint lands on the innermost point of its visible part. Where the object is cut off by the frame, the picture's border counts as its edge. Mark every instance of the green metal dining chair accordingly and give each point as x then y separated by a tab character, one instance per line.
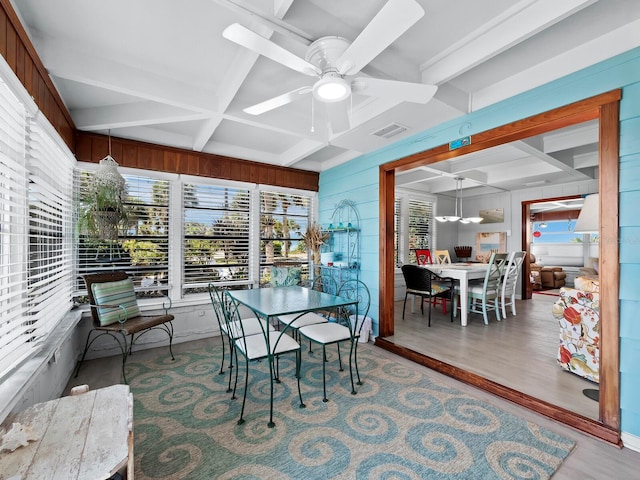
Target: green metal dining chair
347	328
269	344
251	326
295	321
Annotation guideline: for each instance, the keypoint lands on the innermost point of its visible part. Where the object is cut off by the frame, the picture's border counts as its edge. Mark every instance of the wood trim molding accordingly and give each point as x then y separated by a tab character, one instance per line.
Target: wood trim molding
21	56
605	108
92	147
579	422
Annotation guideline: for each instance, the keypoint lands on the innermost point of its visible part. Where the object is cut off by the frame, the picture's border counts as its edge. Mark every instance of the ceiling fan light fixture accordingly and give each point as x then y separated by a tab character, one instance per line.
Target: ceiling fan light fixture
331	88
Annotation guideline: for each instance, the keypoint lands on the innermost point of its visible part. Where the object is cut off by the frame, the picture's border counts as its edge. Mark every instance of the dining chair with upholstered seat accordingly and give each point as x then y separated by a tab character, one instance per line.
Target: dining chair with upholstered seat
268	344
509	281
115	312
252	325
294	321
346	328
425	284
485	296
442	256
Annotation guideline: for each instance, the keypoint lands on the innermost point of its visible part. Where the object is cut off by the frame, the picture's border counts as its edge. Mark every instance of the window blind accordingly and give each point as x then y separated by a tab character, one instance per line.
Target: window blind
142	246
35	231
283	220
216	235
14	325
420	223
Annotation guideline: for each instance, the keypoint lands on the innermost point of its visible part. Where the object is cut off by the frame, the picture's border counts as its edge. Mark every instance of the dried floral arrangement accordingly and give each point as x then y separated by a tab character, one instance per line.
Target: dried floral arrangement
313	239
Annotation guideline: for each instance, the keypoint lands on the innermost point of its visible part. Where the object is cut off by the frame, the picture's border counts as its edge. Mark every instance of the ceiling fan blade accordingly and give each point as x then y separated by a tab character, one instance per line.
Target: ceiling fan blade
394	90
275	102
338	113
395	18
257	43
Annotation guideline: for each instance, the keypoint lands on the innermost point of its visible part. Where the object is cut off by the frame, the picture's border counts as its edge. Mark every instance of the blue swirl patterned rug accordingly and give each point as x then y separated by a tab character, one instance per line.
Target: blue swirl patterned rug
400	425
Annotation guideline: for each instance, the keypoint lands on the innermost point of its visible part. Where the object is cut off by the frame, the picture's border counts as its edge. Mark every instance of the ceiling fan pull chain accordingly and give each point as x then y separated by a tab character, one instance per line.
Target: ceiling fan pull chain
313	129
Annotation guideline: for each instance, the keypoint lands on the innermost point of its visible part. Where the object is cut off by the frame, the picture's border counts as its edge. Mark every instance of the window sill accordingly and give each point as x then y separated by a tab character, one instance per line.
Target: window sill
15	385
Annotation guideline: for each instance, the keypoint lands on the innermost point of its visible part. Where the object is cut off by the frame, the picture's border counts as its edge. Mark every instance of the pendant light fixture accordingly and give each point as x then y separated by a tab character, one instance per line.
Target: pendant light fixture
457	217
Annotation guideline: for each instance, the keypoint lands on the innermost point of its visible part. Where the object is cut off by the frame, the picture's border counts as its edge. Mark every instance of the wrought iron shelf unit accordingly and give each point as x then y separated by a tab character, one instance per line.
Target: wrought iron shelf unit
343	243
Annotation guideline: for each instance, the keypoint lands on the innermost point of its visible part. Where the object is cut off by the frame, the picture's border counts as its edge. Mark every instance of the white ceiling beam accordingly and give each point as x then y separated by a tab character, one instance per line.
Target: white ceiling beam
300	131
589	53
587	134
300	150
515	25
242	64
205	132
235	151
554	162
129	115
65	61
156	135
281	7
339	159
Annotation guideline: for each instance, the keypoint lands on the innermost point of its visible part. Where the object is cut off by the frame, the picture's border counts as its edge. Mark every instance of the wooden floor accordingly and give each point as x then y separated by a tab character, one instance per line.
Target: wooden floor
519	351
591	458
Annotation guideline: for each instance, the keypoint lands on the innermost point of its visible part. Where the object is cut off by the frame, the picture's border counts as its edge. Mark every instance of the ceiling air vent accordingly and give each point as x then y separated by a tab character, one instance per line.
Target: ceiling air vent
390	130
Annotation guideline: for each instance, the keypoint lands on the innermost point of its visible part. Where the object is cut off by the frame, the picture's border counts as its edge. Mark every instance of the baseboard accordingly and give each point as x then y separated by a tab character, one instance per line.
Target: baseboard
632	442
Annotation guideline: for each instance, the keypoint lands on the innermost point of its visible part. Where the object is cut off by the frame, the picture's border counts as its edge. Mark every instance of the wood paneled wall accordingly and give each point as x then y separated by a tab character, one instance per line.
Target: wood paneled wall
18	51
20	54
91	147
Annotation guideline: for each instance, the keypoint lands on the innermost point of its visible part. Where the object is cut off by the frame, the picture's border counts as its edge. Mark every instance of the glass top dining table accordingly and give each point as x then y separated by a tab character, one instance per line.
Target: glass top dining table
276	301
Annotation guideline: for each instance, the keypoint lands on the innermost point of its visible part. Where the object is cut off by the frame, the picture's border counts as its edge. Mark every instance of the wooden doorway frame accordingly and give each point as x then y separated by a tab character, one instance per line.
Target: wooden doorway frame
605	109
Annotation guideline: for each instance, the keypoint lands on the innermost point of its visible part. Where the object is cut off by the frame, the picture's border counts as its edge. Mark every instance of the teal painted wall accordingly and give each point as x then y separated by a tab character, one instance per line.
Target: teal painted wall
357	180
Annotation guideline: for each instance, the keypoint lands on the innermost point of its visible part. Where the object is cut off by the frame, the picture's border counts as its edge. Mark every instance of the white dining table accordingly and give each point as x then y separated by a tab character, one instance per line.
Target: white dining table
463	272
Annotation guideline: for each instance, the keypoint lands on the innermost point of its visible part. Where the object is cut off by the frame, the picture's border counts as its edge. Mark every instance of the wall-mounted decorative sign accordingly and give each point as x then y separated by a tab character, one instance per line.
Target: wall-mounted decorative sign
494	215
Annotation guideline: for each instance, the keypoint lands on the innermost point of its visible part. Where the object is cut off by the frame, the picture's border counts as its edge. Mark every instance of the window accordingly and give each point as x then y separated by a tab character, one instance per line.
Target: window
557	231
36	175
230	232
142	247
216	235
283	219
413	226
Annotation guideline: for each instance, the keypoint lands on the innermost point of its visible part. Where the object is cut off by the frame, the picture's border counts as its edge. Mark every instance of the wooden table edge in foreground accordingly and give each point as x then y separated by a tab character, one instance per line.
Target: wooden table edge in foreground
87	436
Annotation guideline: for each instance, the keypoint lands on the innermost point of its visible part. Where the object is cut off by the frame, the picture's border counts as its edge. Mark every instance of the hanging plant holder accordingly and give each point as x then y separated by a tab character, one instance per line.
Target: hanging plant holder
107	223
105	211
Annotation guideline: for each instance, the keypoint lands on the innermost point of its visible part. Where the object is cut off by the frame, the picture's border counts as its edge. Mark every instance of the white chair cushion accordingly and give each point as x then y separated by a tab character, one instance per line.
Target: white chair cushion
309	318
326	332
251	326
255	346
477	290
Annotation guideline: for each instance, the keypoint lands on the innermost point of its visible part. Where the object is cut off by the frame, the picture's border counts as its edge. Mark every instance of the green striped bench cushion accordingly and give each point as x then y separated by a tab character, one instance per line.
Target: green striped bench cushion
115	293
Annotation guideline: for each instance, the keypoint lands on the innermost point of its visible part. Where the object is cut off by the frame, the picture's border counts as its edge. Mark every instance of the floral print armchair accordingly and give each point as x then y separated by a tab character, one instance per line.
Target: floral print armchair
578	313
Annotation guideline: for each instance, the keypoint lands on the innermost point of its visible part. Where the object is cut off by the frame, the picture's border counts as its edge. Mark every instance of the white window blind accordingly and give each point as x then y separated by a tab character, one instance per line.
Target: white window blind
35	231
50	231
142	247
413	226
420	226
283	219
14	324
216	235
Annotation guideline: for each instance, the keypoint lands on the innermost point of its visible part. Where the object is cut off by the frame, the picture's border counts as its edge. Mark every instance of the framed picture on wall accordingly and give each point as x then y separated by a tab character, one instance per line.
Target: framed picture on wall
488	243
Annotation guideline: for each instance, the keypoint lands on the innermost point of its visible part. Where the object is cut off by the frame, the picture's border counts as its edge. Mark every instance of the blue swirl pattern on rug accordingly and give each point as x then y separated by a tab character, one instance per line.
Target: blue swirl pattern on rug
401	425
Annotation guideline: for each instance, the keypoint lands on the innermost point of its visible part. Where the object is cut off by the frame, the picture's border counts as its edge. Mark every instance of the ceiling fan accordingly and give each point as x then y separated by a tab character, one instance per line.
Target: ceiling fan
333	58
